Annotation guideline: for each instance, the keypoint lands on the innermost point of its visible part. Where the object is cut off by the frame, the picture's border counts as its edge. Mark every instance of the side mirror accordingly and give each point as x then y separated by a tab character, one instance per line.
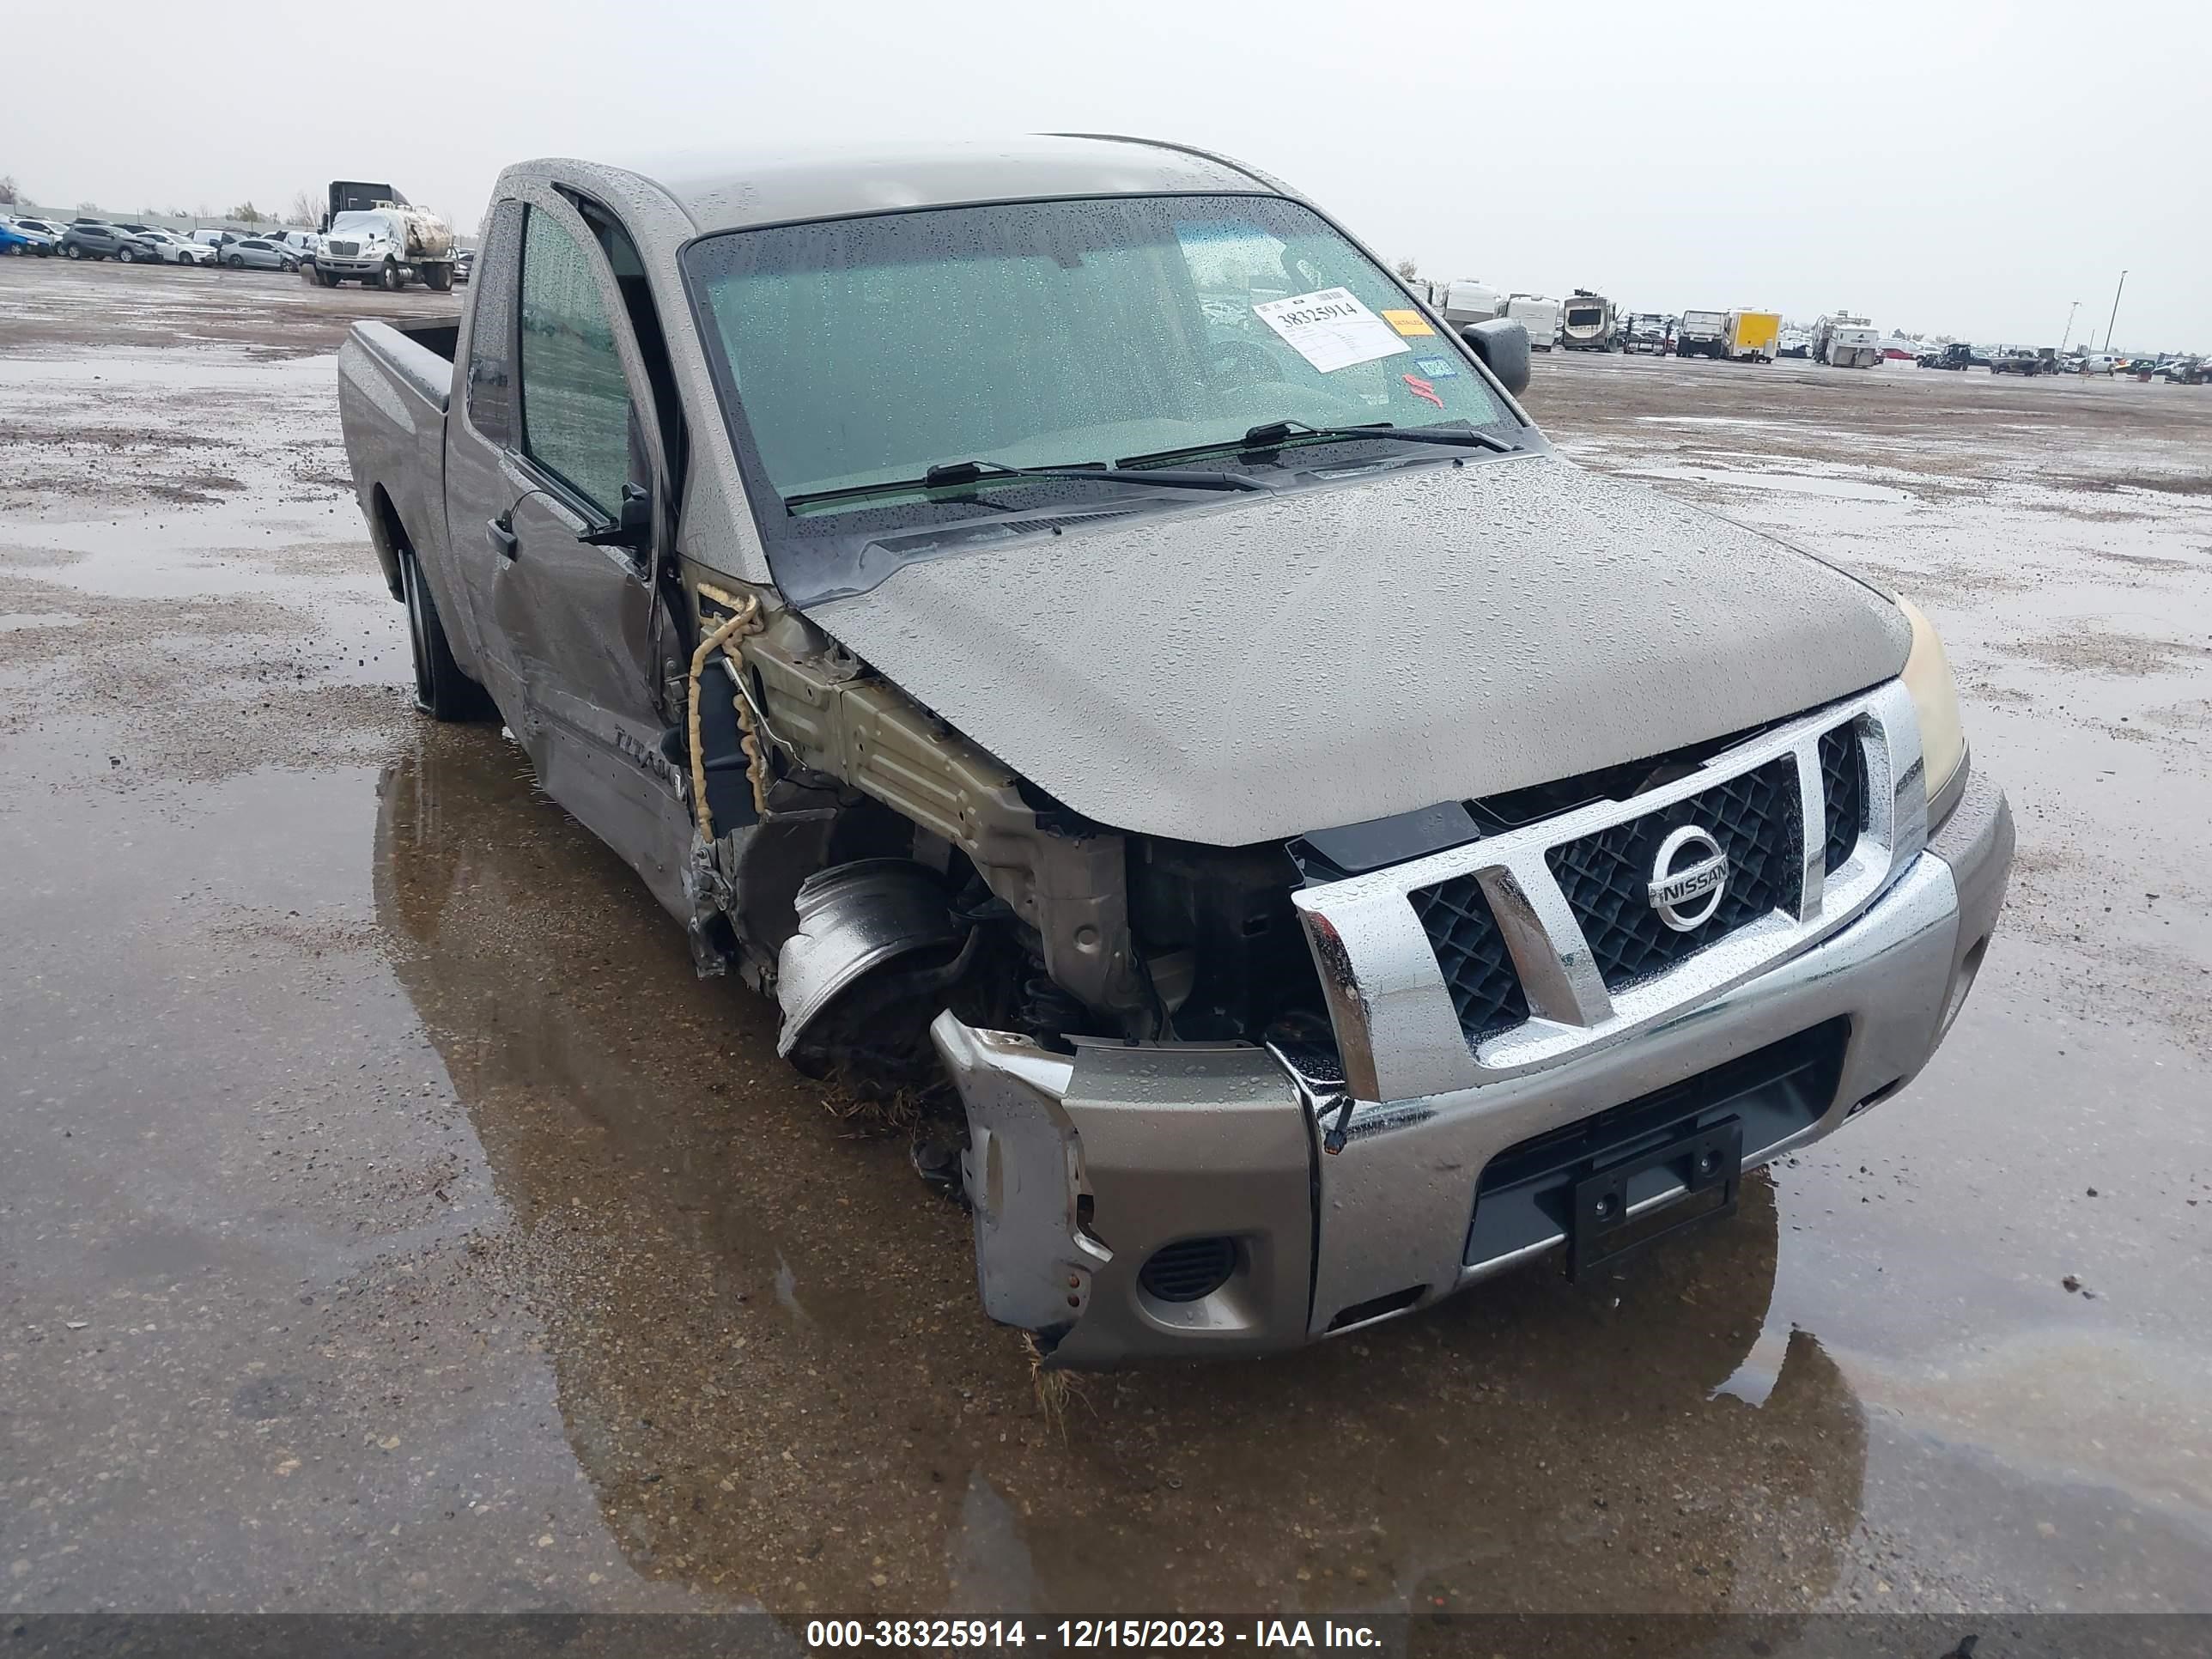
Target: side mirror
1502	344
631	529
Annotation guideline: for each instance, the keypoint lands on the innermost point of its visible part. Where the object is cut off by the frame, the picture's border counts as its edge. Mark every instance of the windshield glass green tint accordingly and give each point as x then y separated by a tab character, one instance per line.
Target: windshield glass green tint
1052	333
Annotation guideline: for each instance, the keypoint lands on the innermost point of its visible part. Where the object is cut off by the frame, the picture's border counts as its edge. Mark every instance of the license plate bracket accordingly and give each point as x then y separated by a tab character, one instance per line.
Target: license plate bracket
1599	1224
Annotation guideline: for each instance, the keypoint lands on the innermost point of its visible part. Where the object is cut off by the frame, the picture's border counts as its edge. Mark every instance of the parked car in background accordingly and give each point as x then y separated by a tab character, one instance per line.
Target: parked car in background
302	244
2096	362
464	264
257	253
174	248
16	238
91	239
46	228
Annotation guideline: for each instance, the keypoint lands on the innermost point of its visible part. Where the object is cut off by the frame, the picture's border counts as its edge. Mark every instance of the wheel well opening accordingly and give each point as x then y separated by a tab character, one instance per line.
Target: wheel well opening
390	536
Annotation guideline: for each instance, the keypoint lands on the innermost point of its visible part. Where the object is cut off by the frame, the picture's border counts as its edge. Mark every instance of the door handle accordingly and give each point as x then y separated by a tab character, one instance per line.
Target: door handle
503	538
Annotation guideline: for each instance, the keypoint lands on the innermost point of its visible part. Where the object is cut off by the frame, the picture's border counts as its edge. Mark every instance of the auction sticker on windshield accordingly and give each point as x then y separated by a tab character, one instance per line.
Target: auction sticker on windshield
1330	329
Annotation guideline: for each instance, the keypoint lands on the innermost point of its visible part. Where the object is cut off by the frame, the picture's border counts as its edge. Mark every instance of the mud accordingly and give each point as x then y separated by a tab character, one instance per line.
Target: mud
389	1219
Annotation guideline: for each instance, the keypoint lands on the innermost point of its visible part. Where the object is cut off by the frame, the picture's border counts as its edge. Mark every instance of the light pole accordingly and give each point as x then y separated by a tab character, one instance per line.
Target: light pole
2068	334
2115	317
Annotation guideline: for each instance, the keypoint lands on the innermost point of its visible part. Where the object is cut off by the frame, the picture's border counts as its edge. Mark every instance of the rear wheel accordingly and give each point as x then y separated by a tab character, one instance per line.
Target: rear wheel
74	251
439	279
441	690
236	262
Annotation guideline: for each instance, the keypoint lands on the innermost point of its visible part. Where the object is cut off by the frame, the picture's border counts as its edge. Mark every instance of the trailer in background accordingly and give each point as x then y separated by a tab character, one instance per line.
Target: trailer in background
1540	315
1842	341
1753	337
1586	323
1463	300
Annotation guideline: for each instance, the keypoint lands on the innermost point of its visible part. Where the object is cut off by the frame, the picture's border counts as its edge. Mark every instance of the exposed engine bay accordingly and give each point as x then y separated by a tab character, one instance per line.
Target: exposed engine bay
884	869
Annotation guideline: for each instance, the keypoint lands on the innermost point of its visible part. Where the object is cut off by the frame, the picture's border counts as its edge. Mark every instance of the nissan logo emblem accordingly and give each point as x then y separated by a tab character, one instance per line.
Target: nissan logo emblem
1687	878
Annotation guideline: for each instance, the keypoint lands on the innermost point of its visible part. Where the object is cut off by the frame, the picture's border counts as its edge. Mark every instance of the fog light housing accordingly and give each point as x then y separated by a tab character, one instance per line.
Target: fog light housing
1188	1270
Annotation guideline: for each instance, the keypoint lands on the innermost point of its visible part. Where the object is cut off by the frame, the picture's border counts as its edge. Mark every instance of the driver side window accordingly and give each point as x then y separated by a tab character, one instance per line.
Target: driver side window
574	402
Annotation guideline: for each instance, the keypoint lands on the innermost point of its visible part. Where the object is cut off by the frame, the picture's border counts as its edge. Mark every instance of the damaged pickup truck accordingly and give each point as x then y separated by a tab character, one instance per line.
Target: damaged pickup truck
1128	679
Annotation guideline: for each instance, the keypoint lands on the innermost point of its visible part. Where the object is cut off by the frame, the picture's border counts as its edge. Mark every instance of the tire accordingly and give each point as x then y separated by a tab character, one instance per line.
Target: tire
392	281
441	690
327	279
73	251
439	279
125	255
236	262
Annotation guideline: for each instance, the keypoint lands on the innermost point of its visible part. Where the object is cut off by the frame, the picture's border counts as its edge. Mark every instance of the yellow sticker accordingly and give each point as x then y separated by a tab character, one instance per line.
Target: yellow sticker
1407	322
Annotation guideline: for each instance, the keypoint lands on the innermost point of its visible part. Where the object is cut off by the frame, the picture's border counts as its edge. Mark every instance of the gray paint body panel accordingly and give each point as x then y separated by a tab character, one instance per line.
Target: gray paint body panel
1261	668
723	191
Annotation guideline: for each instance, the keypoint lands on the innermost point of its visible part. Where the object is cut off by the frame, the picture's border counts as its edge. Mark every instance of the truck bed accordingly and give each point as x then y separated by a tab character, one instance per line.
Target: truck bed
394	381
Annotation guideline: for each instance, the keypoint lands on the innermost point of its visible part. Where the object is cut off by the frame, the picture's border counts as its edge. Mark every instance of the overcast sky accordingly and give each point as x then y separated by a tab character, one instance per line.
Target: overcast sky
1965	168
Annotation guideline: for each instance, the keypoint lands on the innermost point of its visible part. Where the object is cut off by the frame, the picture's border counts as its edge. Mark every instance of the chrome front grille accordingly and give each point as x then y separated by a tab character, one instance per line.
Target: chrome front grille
1843	786
1607	876
345	250
1516	950
1471	953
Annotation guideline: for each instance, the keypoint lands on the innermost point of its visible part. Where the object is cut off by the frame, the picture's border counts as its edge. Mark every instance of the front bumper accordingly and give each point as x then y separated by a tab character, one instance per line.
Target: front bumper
1081	1169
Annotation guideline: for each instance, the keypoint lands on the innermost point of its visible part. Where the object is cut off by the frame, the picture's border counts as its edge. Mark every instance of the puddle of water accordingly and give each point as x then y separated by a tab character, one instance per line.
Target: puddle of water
1788	483
173	371
786	1290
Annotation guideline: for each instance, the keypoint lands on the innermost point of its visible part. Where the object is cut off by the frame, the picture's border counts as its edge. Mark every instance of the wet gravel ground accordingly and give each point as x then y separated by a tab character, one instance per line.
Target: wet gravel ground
389	1219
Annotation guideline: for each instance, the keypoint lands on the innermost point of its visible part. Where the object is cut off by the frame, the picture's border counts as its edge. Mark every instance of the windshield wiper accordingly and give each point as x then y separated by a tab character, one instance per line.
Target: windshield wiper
955	474
1272	435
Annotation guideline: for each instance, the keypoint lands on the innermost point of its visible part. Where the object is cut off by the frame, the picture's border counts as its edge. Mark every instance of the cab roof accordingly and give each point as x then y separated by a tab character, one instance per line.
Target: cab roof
733	190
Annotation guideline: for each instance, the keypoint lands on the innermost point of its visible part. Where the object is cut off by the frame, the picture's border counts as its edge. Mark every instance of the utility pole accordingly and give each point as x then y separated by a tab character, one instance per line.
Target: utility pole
2068	334
2114	318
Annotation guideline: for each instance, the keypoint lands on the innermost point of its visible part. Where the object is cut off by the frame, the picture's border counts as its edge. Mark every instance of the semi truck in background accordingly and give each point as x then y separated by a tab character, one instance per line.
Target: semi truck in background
1702	334
1648	333
1586	322
374	235
1842	341
1540	315
1753	337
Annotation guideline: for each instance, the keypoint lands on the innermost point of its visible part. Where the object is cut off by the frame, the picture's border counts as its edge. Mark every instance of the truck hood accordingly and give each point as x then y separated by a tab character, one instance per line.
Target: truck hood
1257	669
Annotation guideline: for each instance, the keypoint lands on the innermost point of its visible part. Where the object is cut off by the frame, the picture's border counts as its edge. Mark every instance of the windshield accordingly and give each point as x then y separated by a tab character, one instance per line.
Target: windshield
862	351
